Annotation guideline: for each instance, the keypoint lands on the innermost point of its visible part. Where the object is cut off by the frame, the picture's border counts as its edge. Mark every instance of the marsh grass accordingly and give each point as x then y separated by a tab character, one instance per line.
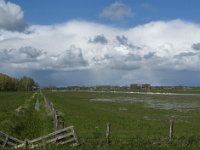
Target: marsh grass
27	123
144	125
135	128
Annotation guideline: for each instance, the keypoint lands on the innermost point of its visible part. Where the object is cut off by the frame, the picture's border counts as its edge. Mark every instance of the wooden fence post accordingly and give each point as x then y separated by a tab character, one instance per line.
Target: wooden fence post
61	125
26	143
108	133
75	137
171	129
5	141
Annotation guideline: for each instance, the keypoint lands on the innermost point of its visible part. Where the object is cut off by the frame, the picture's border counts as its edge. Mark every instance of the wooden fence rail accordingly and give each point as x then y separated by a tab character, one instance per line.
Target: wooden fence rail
58	121
8	141
63	136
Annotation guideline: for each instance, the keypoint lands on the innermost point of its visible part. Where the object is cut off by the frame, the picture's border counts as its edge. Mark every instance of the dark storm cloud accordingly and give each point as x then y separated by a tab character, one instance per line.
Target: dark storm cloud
69	59
118	65
127	62
185	54
196	46
122	40
133	57
72	57
101	39
21	55
177	77
149	55
30	52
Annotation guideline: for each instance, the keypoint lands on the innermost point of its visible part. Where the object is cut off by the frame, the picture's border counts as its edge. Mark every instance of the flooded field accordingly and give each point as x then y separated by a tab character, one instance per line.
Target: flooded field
167	102
131	115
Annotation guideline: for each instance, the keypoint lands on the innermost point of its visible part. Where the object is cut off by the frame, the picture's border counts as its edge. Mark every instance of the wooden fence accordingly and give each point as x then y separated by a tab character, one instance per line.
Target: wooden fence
59	137
8	141
58	121
62	136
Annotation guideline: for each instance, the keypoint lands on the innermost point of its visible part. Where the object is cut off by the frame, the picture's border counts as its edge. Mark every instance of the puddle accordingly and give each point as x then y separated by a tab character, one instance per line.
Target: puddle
155	103
37	105
122	109
151	93
172	105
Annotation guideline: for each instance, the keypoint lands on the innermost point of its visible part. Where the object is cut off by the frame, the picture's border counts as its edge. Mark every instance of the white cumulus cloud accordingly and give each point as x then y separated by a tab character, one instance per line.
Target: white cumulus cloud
11	16
117	11
138	54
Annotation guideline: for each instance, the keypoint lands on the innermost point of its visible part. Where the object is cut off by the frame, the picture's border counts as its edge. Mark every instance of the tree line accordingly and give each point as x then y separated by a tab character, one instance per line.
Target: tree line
8	83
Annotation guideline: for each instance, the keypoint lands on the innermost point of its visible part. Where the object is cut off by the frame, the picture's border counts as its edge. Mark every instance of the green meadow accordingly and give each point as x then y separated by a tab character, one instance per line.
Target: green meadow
138	121
20	118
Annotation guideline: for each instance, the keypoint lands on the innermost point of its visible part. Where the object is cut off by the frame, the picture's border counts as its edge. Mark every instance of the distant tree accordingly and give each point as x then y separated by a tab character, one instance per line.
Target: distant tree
8	83
26	83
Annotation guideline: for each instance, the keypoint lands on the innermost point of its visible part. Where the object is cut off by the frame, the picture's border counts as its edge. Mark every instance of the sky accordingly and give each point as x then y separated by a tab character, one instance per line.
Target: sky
101	42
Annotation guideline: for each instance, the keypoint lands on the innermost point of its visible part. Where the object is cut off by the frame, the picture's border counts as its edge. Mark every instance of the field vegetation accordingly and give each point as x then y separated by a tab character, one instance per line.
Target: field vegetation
138	124
138	121
21	117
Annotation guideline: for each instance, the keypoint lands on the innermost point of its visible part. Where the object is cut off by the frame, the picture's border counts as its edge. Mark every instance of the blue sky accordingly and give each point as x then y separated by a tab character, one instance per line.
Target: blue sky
100	42
52	11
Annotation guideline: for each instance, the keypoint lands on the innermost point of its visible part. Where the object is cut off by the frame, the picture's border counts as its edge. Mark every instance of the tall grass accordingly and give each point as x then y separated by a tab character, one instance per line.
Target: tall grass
26	122
136	127
144	125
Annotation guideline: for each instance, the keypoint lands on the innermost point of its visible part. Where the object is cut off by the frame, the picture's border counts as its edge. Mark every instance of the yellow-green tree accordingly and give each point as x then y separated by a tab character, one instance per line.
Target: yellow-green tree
8	83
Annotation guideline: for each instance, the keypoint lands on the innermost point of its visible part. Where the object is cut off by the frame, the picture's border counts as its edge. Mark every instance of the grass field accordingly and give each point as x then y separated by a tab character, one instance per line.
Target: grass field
9	102
138	121
142	118
20	118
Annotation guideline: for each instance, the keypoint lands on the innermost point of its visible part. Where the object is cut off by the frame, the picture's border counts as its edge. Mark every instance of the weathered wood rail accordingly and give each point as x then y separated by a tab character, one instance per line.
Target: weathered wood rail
59	137
58	121
8	141
62	136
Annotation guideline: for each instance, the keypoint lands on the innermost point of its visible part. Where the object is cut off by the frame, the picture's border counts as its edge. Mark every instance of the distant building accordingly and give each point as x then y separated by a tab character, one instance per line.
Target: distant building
146	86
135	86
140	86
104	87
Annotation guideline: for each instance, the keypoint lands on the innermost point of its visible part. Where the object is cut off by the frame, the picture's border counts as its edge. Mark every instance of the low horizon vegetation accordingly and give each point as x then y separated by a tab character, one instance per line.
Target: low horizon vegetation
8	83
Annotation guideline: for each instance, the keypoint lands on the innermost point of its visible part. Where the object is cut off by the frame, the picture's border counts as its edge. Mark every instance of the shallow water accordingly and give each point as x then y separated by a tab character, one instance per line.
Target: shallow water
155	103
37	105
151	93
